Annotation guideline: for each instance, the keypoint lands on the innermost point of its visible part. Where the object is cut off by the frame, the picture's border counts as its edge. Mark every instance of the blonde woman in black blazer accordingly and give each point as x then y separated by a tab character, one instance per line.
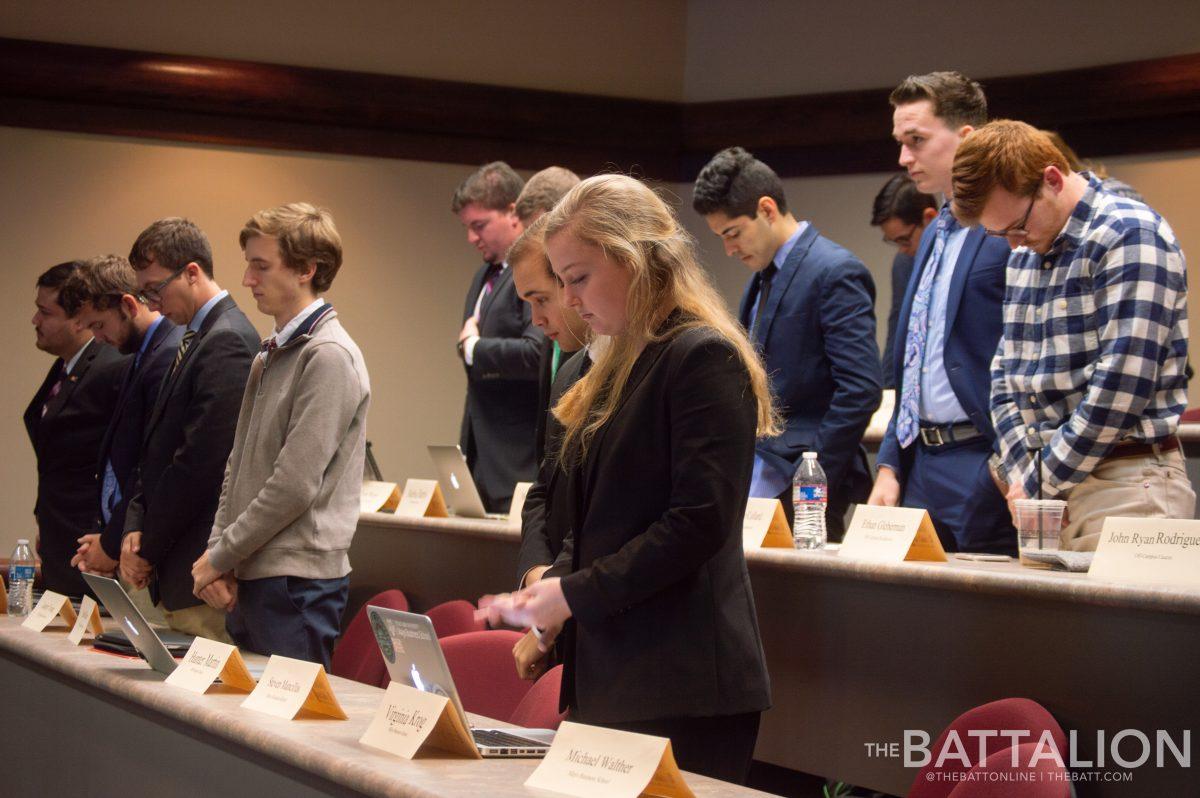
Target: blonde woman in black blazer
659	633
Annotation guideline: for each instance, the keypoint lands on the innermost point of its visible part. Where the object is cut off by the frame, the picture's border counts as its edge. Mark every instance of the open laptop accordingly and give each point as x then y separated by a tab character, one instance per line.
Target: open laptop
134	626
414	657
462	497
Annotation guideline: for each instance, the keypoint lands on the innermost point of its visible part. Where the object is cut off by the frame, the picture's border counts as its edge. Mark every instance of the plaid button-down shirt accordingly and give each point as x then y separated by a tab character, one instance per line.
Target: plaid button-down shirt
1094	344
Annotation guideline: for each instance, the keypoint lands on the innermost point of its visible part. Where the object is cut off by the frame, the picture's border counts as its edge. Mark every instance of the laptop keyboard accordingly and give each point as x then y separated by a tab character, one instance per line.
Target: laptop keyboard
494	738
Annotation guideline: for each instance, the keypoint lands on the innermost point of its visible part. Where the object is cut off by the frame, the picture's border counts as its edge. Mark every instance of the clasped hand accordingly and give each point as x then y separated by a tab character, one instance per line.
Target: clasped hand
541	605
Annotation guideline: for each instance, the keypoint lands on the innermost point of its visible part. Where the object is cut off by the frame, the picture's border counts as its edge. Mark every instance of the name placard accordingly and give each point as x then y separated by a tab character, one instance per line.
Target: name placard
422	499
205	661
88	620
520	493
765	525
891	534
290	685
591	762
408	720
51	606
1148	551
379	497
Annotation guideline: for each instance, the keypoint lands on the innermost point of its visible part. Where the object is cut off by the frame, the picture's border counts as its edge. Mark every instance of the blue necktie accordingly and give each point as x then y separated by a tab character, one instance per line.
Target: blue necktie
908	419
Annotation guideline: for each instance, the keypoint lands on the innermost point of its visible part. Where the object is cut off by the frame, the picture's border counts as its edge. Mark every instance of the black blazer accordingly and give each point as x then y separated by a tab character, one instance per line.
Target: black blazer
544	516
664	624
123	439
186	444
499	424
66	441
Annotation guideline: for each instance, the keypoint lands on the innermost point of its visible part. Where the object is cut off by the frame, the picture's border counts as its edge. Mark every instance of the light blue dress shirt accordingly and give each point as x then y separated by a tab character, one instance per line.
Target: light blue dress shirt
766	481
938	403
202	313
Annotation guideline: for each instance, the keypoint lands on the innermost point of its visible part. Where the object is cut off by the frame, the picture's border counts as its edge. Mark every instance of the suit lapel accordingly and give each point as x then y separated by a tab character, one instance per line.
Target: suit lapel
962	270
73	379
33	413
499	282
779	286
172	377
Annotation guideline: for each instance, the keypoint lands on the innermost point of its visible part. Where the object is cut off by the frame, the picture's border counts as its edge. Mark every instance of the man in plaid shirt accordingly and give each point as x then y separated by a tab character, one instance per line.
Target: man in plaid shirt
1090	367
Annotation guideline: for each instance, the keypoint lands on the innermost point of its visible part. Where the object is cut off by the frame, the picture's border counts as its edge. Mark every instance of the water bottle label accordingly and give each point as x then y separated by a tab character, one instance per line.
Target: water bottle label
18	572
810	493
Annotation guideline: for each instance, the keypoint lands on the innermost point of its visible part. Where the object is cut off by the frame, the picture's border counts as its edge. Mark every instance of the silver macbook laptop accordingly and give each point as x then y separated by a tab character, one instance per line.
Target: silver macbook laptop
414	657
462	497
129	618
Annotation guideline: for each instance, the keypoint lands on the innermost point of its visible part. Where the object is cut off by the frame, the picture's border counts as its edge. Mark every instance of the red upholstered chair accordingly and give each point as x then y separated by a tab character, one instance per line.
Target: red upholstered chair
539	708
1190	416
484	673
1007	713
455	618
999	778
356	656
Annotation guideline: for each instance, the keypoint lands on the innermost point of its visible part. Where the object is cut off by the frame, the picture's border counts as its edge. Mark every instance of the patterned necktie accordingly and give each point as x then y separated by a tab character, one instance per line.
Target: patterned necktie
907	421
182	350
54	390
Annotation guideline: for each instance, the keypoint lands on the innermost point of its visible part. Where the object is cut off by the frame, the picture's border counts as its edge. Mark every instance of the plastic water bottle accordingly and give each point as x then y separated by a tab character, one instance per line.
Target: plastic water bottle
810	491
20	579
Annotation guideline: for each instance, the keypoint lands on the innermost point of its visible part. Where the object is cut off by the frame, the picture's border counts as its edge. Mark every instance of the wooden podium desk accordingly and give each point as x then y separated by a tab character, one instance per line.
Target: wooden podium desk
80	722
859	653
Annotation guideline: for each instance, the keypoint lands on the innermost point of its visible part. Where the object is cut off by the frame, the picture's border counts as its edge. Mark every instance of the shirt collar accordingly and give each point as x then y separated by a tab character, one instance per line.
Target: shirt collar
75	358
1079	221
781	254
202	313
149	334
283	336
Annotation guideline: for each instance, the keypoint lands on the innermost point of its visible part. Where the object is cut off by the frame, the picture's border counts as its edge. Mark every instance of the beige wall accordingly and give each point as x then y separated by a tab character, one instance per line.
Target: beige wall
407	265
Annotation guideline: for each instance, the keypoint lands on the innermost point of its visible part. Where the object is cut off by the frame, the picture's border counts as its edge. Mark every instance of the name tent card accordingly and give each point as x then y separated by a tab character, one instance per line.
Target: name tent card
520	493
51	606
88	620
408	719
290	685
591	762
422	499
891	534
765	525
205	661
379	497
1148	551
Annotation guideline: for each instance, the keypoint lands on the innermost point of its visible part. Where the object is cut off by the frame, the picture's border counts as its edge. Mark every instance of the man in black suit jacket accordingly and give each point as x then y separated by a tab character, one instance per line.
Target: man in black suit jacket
810	308
102	296
190	429
499	345
65	422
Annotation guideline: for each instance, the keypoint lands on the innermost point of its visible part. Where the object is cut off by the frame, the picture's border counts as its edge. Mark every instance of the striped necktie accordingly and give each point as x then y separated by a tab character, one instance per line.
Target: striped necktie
182	350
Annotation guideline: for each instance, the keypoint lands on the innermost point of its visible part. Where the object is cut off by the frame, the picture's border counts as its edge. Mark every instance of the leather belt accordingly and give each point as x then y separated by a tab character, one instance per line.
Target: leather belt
934	436
1139	449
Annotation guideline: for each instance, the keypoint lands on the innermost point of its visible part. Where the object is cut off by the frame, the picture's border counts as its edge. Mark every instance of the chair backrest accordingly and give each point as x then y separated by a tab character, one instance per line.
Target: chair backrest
1007	713
455	618
484	672
539	708
1034	776
356	656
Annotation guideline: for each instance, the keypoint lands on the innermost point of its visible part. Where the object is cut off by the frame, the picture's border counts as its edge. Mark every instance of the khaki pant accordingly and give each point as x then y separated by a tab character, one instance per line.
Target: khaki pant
1154	486
201	621
141	599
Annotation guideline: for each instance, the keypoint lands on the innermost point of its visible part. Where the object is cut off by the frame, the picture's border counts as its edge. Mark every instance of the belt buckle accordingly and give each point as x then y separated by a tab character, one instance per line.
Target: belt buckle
932	436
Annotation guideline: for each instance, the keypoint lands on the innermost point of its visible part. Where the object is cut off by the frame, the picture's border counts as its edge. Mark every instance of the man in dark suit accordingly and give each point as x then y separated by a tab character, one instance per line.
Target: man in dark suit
936	450
102	295
901	212
66	421
810	307
499	346
190	429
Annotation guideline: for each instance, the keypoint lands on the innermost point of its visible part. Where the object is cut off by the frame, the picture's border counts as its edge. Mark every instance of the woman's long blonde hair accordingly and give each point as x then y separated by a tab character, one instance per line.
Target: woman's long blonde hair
634	227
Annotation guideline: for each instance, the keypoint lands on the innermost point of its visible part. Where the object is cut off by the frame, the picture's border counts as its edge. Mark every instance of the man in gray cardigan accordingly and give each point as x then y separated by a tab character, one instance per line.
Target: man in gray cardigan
277	558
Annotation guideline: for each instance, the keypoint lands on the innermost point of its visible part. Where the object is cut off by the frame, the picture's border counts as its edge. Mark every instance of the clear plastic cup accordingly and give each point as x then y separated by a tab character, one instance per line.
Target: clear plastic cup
1039	522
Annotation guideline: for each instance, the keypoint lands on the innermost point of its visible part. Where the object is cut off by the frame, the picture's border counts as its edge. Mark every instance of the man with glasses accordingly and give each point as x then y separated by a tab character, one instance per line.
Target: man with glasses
902	212
936	450
190	429
101	296
499	345
1090	370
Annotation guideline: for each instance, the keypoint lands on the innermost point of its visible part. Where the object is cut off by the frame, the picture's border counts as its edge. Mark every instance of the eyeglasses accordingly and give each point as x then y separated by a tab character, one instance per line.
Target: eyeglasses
1017	232
153	293
904	239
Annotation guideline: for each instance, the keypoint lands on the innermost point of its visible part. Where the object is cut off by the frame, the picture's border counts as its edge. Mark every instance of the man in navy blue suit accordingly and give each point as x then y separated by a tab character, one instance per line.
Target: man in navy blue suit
936	450
810	307
102	295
